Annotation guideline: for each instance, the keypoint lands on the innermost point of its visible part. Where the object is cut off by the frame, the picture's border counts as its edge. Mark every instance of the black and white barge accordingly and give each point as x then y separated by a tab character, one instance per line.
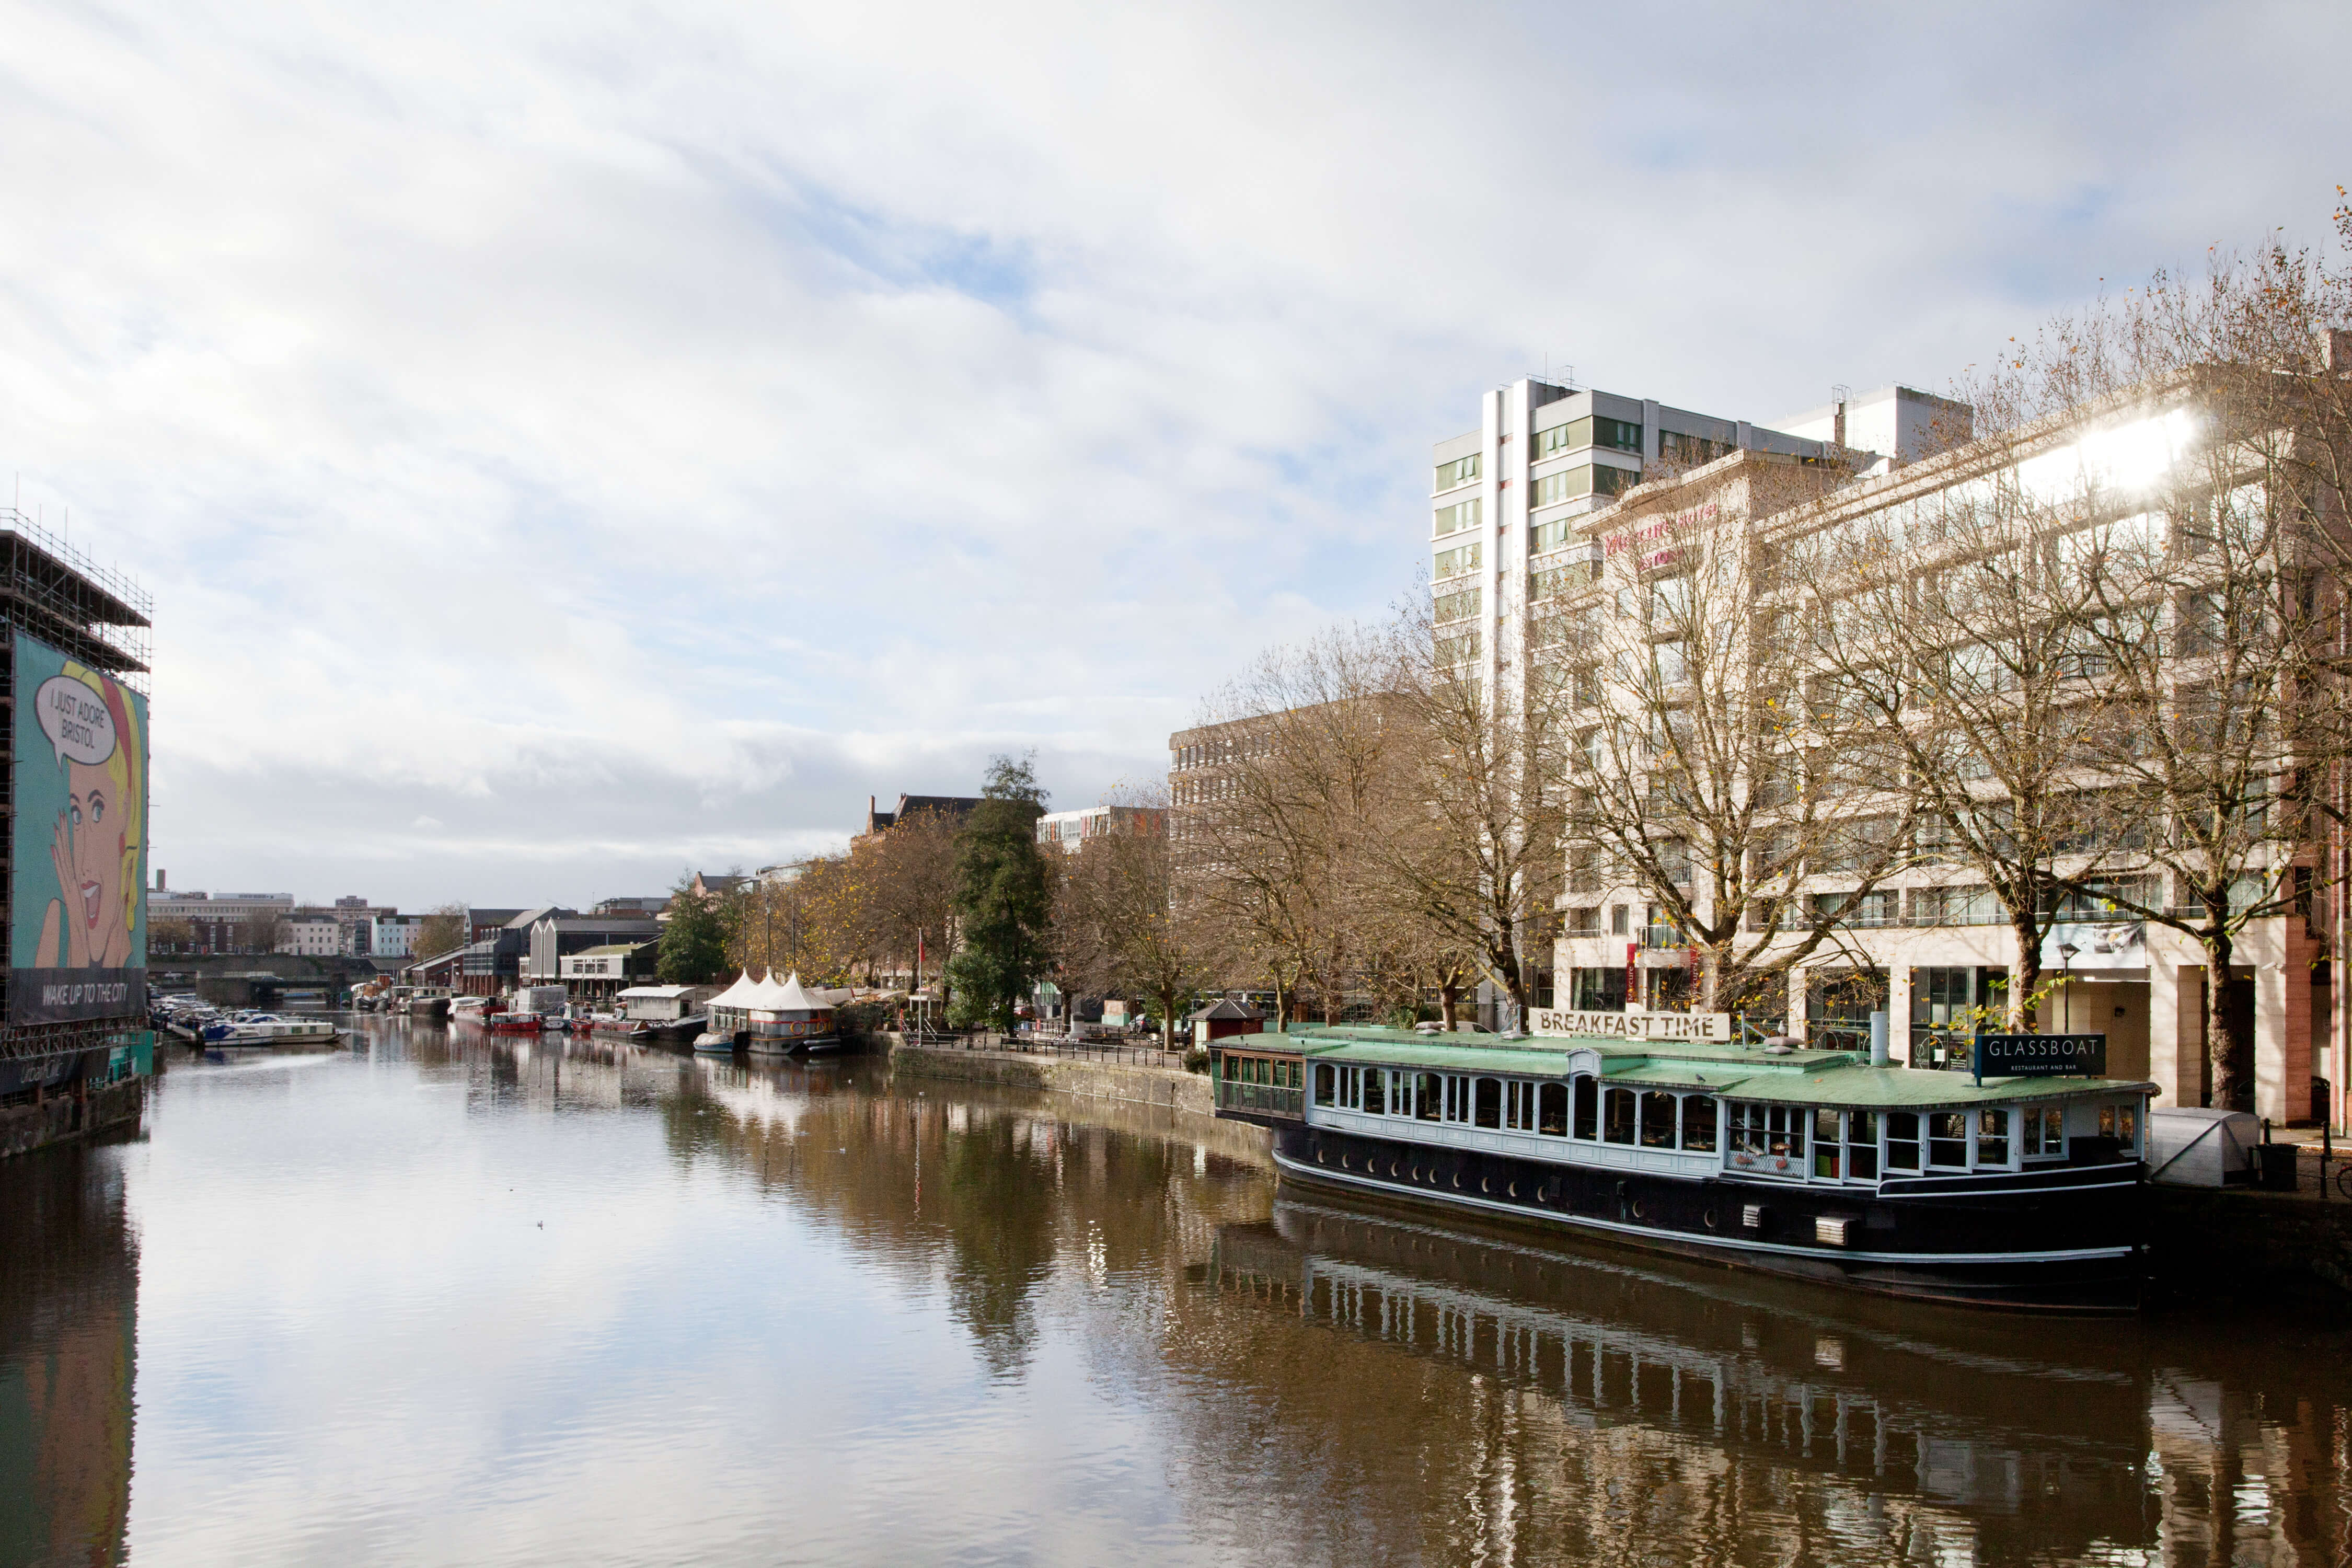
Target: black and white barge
2022	1193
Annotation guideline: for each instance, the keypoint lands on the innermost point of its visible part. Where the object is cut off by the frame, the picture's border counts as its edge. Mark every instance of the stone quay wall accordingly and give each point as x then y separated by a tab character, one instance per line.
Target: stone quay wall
115	1107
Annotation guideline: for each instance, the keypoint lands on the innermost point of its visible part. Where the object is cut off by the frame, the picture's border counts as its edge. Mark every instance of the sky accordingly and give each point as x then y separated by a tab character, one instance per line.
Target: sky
569	445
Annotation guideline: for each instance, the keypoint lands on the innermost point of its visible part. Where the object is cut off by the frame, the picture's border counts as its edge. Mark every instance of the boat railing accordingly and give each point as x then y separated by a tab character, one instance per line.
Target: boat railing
1269	1100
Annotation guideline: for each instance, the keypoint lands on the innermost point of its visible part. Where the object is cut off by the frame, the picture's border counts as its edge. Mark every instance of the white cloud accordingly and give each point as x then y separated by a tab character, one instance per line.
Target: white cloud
626	436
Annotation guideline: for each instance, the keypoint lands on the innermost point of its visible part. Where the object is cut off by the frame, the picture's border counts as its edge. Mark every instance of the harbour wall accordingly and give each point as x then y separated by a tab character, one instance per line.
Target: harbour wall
114	1108
1161	1101
2224	1244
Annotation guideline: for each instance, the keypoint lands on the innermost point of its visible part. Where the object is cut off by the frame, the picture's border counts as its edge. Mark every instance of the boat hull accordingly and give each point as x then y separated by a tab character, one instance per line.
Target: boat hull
2067	1240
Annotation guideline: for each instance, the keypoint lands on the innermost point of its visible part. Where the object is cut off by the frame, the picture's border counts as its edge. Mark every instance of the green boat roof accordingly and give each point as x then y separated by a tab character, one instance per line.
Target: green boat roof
1843	1078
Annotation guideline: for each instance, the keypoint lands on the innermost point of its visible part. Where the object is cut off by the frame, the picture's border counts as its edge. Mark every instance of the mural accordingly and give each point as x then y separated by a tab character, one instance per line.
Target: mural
77	891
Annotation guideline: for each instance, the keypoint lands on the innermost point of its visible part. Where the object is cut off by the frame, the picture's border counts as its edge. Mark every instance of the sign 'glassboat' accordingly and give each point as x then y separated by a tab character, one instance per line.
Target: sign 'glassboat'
2019	1192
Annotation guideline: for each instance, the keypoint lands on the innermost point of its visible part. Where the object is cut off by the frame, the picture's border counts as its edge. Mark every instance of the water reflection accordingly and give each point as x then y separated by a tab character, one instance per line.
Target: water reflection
441	1300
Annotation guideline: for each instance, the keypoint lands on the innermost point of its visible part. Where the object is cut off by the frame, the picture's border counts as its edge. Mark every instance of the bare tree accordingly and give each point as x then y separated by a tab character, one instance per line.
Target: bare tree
445	928
1714	774
1118	925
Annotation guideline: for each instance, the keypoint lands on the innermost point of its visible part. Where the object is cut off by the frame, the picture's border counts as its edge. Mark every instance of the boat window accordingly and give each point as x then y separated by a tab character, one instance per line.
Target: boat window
1490	1103
1902	1140
2120	1122
1658	1119
1552	1118
1992	1136
1327	1084
1947	1138
1588	1107
2043	1132
1619	1128
1829	1151
1785	1131
1399	1094
1698	1122
1375	1102
1427	1099
1862	1145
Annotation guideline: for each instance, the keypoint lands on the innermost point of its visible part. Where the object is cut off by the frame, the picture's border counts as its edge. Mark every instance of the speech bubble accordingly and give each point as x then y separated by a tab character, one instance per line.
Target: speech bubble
75	719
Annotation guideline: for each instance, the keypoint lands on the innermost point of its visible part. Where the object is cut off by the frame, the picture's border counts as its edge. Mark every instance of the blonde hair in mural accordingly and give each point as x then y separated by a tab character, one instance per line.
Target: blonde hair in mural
123	769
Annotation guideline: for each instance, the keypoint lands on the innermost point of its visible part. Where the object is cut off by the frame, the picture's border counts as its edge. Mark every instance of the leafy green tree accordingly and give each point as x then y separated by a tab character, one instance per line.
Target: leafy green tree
694	941
1003	898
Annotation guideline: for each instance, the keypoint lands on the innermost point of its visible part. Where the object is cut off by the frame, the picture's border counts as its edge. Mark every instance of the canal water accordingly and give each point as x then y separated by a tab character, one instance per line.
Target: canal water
438	1300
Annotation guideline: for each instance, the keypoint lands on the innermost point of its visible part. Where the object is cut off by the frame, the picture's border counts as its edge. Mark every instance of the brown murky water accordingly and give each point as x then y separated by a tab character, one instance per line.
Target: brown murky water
437	1301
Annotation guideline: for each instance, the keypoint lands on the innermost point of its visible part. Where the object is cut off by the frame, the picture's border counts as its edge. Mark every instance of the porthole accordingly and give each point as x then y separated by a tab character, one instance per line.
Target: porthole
1322	1158
1637	1210
1457	1181
1343	1162
1485	1184
1515	1189
1708	1219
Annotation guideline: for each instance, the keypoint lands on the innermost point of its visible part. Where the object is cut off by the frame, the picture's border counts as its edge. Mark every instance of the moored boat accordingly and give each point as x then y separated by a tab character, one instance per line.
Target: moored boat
2019	1192
267	1029
514	1023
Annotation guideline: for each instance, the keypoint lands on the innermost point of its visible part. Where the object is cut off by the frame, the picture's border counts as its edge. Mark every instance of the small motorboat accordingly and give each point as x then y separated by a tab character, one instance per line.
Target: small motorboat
268	1029
514	1023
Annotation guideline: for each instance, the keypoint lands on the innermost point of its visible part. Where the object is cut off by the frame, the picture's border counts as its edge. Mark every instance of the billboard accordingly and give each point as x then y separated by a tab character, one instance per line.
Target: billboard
77	886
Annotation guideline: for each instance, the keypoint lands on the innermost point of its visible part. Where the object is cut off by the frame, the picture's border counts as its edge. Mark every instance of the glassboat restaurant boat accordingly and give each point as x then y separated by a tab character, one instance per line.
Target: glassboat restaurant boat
2021	1191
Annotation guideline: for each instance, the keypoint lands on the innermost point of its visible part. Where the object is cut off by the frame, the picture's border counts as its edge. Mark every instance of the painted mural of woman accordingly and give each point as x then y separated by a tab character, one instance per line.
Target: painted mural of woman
97	848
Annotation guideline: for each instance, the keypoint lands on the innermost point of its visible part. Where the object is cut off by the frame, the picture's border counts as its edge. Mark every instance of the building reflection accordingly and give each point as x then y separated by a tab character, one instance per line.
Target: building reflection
68	1348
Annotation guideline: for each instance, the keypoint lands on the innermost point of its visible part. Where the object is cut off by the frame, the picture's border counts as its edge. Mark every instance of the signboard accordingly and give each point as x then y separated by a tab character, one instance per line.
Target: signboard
1631	1024
2101	944
77	883
2041	1056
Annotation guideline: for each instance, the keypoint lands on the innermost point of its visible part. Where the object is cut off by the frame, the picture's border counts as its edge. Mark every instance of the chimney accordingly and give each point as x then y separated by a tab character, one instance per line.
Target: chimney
1840	396
159	879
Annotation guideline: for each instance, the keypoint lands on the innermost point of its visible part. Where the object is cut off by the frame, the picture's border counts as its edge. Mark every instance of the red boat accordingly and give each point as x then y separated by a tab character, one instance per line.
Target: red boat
513	1023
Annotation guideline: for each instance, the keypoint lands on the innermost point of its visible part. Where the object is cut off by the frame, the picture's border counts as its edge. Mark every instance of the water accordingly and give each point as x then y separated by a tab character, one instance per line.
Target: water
457	1302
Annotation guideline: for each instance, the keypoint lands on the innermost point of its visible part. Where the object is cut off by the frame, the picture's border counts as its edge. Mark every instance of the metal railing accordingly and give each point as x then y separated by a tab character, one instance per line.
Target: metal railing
1262	1097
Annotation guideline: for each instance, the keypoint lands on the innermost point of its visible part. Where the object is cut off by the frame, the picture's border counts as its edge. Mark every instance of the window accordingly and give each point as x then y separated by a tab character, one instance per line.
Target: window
1947	1139
1829	1150
1454	650
1902	1141
1568	484
1862	1145
1375	1102
1698	1122
1992	1136
1658	1119
1460	515
1426	1101
1689	451
1584	923
1551	535
1619	1128
1588	1107
2044	1133
1327	1084
1454	606
1774	1131
1457	1098
1617	919
1668	658
1456	561
1490	1103
1956	907
1551	1114
1460	471
2120	1122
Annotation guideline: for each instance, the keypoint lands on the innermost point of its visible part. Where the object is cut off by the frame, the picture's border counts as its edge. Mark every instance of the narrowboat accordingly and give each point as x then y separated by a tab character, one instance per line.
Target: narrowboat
1823	1164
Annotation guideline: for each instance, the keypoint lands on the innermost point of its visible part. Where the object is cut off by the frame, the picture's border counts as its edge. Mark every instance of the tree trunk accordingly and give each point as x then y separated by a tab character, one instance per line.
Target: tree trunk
2223	1049
1281	1003
1449	1000
2025	979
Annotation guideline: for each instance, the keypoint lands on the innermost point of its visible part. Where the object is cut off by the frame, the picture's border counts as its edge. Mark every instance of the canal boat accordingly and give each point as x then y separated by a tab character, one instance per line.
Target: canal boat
788	1020
514	1023
249	1029
1823	1164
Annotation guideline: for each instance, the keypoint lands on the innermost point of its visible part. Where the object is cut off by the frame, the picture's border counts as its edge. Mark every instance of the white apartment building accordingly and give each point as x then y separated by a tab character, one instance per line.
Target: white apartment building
393	936
312	936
